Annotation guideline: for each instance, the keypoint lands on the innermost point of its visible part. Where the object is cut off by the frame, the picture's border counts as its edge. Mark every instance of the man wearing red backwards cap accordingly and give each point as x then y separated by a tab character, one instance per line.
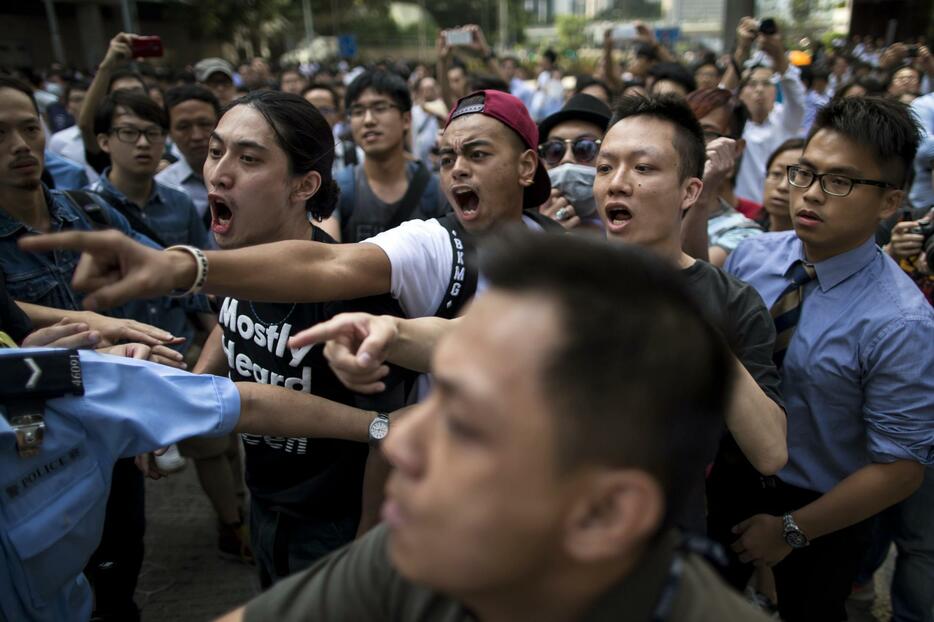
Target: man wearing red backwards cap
490	173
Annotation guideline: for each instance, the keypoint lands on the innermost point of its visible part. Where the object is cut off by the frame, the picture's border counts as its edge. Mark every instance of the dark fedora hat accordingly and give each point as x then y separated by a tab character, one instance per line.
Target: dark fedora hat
580	107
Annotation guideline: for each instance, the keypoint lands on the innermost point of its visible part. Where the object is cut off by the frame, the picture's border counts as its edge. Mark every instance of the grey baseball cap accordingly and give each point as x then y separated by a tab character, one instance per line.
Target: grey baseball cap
207	66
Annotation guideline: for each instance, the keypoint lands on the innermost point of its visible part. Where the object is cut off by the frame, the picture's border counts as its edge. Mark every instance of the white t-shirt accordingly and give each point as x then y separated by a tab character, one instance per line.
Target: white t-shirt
421	257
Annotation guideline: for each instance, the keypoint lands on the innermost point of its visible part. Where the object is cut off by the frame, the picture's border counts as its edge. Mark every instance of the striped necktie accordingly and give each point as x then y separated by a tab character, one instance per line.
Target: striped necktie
787	309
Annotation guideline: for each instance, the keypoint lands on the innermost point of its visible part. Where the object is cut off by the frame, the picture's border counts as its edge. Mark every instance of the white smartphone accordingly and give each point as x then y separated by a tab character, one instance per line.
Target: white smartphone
459	37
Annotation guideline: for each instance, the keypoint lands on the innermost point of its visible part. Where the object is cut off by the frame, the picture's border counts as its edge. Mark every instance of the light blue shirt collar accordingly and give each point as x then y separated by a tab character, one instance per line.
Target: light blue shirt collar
833	271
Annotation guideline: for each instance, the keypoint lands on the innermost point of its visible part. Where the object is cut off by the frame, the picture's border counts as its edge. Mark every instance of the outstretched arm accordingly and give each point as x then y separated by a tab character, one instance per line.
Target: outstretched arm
115	269
276	411
358	345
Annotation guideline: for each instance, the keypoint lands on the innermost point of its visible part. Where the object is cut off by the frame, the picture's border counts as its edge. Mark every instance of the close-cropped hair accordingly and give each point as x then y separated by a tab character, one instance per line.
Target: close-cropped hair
133	101
123	73
608	375
187	92
884	126
689	137
383	82
9	82
321	86
674	72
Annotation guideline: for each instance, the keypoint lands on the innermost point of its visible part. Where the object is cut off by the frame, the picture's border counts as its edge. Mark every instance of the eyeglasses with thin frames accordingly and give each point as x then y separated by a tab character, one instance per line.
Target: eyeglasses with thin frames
834	184
127	134
358	111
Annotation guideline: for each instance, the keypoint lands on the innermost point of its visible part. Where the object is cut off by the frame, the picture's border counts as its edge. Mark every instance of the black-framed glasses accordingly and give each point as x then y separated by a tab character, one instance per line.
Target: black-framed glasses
584	150
127	134
358	111
833	184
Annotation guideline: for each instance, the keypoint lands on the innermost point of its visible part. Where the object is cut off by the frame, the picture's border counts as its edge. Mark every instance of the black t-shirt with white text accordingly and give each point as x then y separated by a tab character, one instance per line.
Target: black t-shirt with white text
305	477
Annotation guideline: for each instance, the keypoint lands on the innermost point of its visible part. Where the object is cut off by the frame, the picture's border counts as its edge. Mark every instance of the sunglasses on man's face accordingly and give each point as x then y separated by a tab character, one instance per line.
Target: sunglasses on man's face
584	150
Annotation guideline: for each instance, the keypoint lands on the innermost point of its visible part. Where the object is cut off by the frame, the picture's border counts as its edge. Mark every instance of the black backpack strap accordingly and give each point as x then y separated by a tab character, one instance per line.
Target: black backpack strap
136	223
91	208
412	196
464	272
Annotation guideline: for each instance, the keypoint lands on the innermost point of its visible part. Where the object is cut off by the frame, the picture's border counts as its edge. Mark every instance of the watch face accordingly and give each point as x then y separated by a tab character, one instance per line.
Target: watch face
379	429
795	539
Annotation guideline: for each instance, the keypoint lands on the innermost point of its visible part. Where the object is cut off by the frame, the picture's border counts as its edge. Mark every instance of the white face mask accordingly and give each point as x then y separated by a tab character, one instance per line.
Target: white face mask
575	181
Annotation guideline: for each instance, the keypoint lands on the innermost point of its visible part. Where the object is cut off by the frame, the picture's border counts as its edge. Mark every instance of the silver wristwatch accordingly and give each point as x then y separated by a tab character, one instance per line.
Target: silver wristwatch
379	429
792	534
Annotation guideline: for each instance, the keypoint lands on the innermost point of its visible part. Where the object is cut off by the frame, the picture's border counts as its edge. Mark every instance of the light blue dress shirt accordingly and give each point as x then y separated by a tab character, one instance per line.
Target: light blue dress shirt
858	375
52	504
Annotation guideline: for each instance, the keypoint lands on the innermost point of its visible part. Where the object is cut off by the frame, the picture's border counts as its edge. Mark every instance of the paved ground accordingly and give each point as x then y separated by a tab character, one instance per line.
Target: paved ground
184	578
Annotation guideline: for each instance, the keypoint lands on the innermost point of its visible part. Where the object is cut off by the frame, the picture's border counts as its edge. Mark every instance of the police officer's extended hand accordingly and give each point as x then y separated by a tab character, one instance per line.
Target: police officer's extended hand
115	269
357	346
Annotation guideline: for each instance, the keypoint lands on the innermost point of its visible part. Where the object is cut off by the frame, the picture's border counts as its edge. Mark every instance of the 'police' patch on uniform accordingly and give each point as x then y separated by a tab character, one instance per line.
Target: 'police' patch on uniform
23	483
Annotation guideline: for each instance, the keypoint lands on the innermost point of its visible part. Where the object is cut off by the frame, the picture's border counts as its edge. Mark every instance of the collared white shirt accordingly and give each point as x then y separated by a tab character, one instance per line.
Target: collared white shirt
69	144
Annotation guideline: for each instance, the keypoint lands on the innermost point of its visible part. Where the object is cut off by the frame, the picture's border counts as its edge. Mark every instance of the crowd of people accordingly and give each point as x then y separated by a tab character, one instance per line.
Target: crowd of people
472	341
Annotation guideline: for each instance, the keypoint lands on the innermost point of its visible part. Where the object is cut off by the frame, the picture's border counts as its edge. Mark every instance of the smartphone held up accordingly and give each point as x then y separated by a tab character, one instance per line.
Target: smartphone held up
146	46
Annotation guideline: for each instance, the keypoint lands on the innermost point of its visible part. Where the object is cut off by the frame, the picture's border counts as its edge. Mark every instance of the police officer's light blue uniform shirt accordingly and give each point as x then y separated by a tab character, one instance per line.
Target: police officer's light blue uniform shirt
52	504
858	375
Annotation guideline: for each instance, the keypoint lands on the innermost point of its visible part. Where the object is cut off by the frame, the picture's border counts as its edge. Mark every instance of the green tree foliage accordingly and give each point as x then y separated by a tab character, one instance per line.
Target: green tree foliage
571	35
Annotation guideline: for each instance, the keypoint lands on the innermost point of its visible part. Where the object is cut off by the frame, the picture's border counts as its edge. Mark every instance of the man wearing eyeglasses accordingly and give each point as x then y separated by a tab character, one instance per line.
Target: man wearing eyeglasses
387	189
570	140
132	130
854	351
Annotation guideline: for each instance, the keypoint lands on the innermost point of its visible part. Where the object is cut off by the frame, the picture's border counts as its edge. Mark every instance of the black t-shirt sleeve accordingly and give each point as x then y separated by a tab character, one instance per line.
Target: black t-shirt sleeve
753	340
13	321
353	583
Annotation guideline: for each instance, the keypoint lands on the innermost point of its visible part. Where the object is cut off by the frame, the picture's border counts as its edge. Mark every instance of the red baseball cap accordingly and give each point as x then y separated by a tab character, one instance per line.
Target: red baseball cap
511	112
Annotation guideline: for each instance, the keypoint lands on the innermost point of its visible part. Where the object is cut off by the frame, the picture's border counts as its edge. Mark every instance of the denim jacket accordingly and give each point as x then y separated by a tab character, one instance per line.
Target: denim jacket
45	278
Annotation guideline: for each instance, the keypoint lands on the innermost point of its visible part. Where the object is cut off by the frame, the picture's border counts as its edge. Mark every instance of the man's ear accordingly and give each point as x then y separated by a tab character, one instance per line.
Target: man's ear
692	190
891	201
407	120
306	186
615	513
528	164
740	147
103	141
